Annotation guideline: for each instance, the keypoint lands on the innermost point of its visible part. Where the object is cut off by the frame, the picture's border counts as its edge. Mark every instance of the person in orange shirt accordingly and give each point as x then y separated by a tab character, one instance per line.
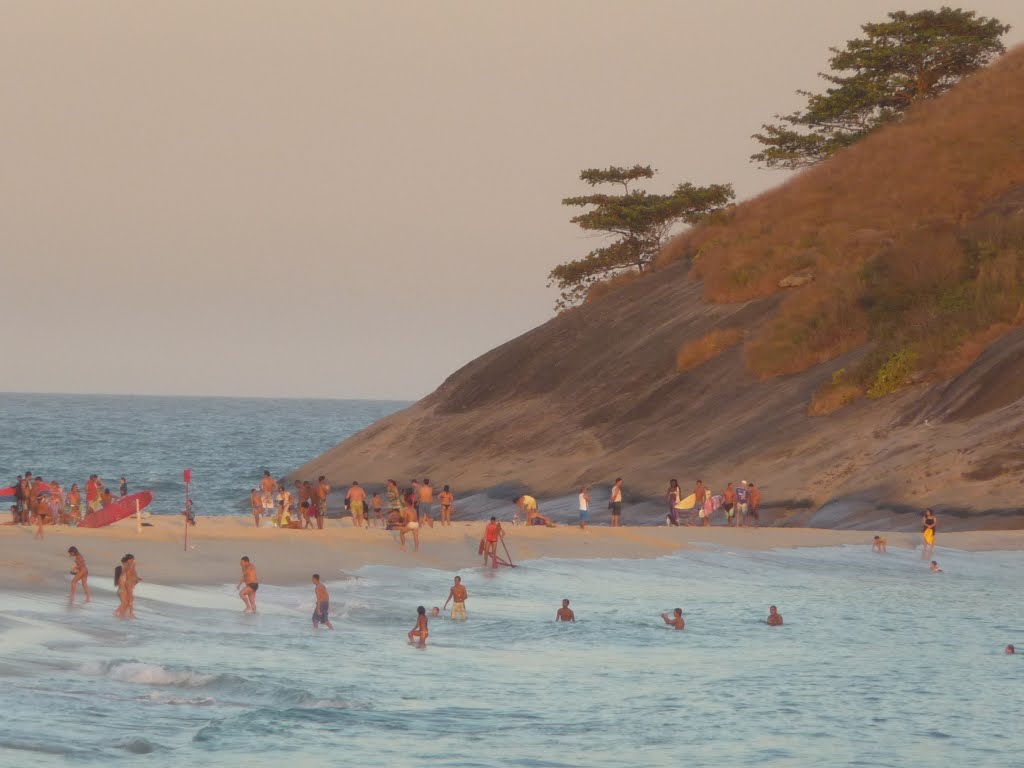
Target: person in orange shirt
92	493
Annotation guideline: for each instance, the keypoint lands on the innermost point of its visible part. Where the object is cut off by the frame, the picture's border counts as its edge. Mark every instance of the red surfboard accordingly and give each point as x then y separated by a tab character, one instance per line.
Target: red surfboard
119	510
5	492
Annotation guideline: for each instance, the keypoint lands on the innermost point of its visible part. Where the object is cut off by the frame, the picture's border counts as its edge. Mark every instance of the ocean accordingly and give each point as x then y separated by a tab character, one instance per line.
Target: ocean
880	663
226	442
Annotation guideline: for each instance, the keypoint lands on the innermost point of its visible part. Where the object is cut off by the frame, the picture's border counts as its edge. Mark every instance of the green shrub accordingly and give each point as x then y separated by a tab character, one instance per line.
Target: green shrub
895	374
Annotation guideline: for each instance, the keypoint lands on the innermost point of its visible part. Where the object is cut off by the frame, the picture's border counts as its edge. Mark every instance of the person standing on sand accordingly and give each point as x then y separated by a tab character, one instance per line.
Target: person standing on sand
75	503
394	497
356	498
323	491
928	528
584	507
774	617
248	585
672	498
755	505
268	489
447	500
409	524
323	604
742	504
729	504
40	510
879	545
415	491
565	613
419	631
700	495
492	533
377	504
257	505
426	502
301	496
615	503
675	620
707	510
79	573
458	594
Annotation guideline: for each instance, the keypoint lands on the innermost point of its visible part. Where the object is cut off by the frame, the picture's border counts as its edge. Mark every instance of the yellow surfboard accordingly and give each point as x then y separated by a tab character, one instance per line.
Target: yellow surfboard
687	503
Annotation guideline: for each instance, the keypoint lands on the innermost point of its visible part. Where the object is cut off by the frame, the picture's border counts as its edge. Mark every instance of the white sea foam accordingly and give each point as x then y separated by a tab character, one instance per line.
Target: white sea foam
144	673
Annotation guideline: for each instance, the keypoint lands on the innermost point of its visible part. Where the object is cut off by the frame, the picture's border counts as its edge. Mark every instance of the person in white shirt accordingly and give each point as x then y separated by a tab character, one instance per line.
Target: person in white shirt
584	507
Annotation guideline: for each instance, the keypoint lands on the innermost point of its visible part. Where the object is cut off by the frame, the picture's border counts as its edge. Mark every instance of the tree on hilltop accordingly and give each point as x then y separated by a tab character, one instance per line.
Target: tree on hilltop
912	56
638	221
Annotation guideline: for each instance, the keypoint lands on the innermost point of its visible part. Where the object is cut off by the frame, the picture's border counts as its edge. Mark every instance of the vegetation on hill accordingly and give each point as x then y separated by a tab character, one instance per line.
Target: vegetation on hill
638	221
912	238
875	79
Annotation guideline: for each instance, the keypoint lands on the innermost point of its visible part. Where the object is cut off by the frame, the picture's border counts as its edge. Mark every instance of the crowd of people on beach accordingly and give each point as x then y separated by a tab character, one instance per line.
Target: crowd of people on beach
39	502
307	508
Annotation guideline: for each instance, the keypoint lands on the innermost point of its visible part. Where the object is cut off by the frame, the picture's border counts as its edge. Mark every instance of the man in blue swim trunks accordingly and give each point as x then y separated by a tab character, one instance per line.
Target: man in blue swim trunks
323	604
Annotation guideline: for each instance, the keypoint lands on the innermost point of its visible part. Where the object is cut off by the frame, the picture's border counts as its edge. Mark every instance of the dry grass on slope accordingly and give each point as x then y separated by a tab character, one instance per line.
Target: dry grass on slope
895	233
707	347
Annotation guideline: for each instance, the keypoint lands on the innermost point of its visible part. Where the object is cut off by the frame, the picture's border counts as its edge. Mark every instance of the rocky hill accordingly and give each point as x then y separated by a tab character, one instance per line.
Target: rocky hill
851	341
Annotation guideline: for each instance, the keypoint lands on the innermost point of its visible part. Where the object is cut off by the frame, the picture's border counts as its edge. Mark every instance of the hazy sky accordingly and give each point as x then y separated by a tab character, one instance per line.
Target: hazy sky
349	199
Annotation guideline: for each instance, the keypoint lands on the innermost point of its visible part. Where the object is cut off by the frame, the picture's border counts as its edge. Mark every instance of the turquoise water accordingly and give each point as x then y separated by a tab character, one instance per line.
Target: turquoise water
226	442
880	663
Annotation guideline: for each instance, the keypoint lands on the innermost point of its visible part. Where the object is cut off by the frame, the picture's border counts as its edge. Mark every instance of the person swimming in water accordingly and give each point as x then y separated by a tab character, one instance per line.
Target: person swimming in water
935	567
879	545
774	617
675	620
565	613
1009	650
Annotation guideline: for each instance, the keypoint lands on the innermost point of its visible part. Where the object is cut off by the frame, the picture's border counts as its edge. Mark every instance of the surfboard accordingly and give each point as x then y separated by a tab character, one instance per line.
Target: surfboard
119	510
687	503
40	487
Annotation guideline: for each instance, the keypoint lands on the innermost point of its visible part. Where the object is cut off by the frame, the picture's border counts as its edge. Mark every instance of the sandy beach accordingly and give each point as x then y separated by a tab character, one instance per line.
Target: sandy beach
288	557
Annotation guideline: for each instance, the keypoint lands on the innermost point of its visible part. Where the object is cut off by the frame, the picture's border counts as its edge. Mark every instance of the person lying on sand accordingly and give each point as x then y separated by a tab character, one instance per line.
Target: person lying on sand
879	545
565	613
774	617
675	620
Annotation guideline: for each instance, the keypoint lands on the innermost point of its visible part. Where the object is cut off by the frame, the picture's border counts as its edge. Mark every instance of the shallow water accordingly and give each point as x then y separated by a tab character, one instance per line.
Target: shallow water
880	664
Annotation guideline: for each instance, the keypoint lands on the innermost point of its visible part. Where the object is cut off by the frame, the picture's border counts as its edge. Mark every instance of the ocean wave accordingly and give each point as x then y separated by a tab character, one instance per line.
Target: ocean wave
147	674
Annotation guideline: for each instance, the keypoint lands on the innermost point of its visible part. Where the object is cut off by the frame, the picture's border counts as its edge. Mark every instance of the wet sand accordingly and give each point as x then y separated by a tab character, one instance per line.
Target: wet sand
290	556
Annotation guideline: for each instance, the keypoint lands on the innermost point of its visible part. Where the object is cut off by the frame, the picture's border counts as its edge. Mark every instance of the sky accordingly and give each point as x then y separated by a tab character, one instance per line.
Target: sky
350	199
